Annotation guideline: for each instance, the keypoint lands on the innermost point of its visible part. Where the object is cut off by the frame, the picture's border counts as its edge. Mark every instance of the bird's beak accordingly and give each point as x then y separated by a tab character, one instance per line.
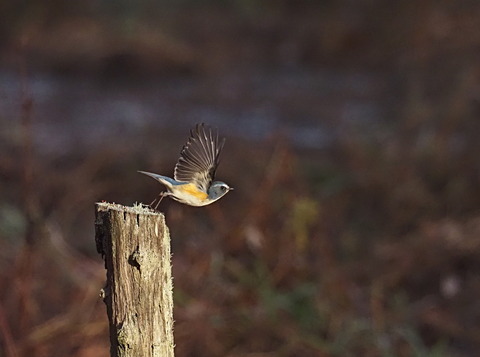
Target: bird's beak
230	188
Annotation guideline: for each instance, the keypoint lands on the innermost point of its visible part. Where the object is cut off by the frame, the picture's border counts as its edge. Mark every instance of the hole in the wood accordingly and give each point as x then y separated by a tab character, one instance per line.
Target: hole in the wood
133	259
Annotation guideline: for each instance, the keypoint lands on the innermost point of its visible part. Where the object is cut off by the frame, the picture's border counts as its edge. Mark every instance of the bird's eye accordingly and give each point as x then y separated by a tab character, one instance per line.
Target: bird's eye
223	188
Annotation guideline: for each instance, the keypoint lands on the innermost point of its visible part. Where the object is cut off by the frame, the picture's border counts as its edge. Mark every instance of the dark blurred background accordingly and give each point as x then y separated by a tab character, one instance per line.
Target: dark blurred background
353	140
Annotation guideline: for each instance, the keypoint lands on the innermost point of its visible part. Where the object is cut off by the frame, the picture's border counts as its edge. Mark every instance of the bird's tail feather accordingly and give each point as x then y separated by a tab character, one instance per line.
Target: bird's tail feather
167	181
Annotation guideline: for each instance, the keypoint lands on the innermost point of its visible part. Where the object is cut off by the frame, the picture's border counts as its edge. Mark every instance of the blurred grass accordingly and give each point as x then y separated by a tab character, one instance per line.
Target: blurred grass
366	248
347	259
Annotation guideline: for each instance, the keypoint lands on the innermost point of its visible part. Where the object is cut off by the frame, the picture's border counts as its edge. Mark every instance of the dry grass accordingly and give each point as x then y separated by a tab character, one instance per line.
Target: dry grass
367	248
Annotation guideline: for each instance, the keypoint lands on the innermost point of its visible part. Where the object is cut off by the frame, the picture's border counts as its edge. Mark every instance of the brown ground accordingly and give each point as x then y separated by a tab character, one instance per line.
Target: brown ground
359	239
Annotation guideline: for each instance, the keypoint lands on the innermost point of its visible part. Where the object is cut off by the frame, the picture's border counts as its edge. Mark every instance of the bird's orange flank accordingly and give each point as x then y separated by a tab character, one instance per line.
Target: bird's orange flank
192	189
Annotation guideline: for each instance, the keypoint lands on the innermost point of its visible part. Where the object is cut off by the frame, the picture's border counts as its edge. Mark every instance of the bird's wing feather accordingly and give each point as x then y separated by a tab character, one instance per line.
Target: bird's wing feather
199	157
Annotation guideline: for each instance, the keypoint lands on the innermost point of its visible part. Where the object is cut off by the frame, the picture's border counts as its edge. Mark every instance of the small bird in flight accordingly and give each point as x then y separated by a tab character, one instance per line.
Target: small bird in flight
192	182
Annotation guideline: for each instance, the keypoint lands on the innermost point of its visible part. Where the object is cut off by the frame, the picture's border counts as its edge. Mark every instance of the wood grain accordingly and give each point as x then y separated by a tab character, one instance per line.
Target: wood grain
135	244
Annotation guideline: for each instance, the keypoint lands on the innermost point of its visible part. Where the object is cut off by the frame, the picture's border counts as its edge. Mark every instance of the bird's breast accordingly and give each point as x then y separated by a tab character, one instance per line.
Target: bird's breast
190	194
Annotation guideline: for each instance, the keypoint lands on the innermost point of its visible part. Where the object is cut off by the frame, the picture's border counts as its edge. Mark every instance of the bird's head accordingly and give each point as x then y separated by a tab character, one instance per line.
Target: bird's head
218	189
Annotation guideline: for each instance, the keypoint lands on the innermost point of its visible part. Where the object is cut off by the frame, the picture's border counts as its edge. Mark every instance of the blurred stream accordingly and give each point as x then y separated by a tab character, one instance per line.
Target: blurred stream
310	107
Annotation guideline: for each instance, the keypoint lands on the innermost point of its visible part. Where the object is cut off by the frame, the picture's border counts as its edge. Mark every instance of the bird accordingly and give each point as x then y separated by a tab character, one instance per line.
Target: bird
193	179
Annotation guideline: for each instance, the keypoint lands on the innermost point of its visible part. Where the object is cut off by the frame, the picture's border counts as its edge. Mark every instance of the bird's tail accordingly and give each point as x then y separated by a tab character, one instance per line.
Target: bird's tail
167	181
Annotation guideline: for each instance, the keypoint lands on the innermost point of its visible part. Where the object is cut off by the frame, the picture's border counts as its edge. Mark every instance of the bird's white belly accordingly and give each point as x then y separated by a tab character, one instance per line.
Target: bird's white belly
187	198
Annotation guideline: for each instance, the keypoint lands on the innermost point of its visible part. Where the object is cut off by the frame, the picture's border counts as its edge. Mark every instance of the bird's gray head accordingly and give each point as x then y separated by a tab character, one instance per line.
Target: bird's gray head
217	190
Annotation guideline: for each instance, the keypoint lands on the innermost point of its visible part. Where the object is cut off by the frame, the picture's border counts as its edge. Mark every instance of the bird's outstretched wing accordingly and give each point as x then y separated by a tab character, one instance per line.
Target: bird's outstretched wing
199	157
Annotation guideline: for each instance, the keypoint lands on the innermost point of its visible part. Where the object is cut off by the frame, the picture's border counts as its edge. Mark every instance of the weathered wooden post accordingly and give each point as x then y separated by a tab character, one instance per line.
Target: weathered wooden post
135	244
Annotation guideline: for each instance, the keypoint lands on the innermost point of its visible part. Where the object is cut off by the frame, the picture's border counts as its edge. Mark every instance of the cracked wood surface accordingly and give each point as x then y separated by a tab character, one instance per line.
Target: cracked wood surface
135	244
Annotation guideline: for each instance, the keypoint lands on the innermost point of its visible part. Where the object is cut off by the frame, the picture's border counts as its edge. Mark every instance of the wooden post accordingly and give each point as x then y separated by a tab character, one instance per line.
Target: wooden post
135	244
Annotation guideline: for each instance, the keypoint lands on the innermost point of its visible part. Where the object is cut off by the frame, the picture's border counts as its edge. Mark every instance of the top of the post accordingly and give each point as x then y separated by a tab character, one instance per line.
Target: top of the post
136	208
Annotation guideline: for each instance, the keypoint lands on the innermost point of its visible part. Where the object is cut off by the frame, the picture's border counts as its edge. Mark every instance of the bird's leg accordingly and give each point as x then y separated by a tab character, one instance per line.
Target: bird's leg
159	198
